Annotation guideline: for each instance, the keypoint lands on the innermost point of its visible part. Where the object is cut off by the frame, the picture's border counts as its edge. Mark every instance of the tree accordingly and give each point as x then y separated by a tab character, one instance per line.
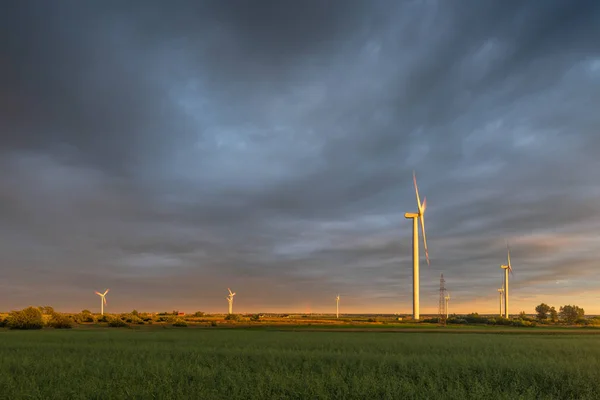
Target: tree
28	318
60	321
553	314
46	310
542	311
570	314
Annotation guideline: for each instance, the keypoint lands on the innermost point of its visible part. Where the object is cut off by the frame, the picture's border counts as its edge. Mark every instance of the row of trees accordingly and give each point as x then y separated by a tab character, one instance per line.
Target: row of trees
570	314
33	318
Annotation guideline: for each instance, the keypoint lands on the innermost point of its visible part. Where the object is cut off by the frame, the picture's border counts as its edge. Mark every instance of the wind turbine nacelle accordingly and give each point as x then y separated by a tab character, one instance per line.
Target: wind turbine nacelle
411	215
504	266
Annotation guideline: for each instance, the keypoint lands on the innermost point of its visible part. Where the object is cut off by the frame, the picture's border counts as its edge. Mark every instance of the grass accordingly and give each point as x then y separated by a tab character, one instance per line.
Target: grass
101	363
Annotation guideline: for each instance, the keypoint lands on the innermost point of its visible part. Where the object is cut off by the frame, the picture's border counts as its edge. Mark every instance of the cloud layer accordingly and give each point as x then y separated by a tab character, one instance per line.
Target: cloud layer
171	151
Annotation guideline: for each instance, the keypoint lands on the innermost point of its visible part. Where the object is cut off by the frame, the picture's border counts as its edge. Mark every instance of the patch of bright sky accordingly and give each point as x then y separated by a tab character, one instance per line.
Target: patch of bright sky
147	261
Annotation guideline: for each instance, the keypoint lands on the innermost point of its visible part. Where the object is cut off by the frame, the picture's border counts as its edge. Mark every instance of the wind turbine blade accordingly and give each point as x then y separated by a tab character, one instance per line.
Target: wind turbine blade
106	291
229	290
104	299
424	237
98	293
424	204
233	294
508	258
419	205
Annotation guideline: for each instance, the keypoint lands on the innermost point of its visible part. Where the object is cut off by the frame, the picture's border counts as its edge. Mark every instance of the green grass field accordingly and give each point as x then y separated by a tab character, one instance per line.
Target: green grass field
104	363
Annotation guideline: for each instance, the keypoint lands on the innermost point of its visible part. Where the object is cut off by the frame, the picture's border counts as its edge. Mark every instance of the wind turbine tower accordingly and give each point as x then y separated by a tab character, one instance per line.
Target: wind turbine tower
337	306
447	300
102	300
501	293
230	300
506	269
417	217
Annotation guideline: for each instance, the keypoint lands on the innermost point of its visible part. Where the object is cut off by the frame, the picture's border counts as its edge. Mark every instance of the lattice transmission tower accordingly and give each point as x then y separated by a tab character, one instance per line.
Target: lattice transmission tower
442	303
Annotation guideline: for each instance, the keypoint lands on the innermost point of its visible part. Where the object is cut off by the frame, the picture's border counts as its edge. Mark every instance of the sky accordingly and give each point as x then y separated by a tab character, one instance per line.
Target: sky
170	150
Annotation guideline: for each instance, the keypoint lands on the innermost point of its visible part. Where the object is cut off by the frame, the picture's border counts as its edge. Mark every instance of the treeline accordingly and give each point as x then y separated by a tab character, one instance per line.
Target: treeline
545	314
45	316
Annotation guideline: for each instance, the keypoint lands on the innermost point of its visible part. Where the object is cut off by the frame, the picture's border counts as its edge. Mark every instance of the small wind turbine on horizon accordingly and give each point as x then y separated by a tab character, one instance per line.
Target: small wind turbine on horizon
506	268
501	293
447	298
230	300
417	217
337	306
102	300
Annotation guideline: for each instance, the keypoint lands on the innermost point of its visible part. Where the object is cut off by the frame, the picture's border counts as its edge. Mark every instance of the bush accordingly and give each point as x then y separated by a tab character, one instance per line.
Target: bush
475	318
503	321
198	314
60	321
592	321
3	322
255	317
232	317
28	318
523	323
103	318
117	323
180	323
459	321
213	323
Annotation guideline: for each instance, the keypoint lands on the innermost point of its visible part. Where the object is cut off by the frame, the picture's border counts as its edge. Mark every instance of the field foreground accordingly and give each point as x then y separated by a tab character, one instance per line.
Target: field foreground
262	364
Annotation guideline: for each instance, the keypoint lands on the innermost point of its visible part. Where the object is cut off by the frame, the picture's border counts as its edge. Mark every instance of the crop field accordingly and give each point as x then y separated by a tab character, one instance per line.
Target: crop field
170	363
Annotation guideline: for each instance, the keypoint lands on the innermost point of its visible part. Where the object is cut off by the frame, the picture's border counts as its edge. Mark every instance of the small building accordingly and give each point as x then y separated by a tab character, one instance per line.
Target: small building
180	314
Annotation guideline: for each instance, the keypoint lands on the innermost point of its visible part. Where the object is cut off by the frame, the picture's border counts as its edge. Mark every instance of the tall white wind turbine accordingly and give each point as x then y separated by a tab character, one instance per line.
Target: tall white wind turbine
501	293
230	300
417	216
102	300
447	298
337	306
506	268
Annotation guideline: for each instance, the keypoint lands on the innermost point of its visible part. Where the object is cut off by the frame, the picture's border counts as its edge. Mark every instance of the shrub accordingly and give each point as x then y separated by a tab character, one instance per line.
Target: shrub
255	317
3	322
232	317
199	314
103	318
475	318
117	323
213	323
60	321
454	320
523	323
592	321
503	321
28	318
180	323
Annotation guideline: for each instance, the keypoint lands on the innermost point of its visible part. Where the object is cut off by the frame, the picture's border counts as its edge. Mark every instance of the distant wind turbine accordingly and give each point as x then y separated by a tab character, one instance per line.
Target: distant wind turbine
447	300
506	268
337	306
230	301
417	216
102	300
501	293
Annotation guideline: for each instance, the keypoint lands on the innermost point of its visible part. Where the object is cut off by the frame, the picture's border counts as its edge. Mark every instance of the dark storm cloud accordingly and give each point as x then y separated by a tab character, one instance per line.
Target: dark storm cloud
269	146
